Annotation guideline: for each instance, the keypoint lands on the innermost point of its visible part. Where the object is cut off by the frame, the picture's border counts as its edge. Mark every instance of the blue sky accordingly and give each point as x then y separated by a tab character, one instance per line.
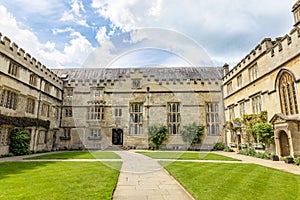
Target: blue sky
64	34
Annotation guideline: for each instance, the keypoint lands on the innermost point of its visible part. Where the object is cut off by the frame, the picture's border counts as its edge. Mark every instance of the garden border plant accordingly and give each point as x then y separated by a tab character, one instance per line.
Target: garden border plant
19	142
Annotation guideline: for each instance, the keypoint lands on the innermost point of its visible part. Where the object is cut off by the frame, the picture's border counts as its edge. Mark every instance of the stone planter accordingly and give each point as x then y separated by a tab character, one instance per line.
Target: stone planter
275	158
289	160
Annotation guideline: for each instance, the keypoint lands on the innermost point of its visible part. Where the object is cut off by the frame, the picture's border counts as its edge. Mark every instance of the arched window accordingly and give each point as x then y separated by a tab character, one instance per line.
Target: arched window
287	92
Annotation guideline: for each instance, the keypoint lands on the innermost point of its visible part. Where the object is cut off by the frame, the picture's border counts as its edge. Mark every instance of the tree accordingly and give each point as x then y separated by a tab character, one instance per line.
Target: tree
250	120
19	142
192	134
157	135
264	132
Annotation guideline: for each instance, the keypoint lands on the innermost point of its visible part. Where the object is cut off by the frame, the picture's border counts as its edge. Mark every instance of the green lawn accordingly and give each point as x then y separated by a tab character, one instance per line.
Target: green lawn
186	156
57	180
79	155
234	181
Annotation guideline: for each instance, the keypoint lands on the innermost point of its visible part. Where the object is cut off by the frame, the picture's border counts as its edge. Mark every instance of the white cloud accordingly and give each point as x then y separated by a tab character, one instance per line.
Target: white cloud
222	27
75	51
75	14
101	35
68	29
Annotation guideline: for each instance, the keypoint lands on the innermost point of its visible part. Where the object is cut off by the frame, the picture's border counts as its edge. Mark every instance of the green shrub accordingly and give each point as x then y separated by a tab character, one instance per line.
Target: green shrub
228	149
19	142
43	151
7	155
297	161
219	146
157	135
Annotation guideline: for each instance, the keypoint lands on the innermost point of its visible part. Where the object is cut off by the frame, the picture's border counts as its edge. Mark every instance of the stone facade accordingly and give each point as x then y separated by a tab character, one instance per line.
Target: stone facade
128	101
98	108
268	79
28	90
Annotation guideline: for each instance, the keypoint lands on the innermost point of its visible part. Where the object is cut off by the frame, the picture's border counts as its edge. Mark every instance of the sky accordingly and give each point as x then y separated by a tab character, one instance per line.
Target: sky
135	33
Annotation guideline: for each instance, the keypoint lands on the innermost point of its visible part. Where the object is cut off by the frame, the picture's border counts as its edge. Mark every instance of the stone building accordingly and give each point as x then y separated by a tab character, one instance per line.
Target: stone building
268	79
104	107
99	108
30	97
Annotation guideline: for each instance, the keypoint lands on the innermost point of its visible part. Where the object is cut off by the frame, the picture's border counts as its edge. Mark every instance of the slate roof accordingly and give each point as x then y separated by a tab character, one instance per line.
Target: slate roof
159	74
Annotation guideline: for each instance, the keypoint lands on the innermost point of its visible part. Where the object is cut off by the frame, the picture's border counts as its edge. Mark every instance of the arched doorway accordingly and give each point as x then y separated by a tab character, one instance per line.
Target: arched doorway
284	144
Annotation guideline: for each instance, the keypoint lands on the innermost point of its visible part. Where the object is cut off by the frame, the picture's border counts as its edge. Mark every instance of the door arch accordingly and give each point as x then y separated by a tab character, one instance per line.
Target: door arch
284	144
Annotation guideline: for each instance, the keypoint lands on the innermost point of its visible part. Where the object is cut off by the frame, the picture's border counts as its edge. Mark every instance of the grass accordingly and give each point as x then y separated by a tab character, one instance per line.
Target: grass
186	156
79	155
234	181
57	180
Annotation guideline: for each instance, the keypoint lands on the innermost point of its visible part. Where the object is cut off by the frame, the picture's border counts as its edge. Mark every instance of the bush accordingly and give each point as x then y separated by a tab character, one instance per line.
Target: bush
219	146
228	149
42	151
297	161
157	135
19	142
7	155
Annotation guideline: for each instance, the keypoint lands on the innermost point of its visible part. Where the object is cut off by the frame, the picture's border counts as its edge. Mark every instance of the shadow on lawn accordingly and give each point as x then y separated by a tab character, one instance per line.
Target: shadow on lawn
9	168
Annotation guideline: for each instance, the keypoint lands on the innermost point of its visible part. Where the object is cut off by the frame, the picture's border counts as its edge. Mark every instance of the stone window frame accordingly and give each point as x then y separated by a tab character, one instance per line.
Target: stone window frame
212	118
231	112
287	93
97	92
69	92
118	112
253	72
229	88
173	118
68	112
4	135
96	112
256	104
33	79
239	81
136	118
47	87
95	133
30	105
9	99
13	69
136	83
242	108
45	111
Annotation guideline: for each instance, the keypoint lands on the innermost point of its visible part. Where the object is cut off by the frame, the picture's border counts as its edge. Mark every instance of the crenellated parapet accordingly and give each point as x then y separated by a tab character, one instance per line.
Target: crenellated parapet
279	50
257	52
17	54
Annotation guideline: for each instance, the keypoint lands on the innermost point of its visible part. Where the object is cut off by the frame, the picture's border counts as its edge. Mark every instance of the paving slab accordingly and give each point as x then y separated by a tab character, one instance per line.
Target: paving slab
142	177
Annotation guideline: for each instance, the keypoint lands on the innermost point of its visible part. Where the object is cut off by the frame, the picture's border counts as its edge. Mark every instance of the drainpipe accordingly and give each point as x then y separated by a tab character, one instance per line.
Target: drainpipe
148	114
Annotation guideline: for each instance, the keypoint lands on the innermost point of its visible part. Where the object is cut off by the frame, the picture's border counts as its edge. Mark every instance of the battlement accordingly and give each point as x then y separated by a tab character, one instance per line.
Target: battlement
250	58
13	51
280	49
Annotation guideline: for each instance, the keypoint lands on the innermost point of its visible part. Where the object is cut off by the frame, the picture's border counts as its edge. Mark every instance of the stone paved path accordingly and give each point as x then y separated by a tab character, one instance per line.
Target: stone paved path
142	178
280	165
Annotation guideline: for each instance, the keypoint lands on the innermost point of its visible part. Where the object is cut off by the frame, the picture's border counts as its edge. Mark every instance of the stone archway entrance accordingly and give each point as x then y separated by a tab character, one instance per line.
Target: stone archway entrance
284	144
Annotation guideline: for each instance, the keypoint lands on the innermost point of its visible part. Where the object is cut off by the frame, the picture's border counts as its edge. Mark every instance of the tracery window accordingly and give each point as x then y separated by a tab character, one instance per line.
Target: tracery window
212	119
287	92
136	119
174	118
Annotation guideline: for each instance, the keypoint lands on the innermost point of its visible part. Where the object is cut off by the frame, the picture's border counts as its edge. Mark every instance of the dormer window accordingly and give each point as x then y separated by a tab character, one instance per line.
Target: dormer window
136	83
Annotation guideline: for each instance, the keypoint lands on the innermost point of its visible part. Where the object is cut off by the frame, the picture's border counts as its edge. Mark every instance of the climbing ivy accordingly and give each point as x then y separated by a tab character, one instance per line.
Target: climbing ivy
23	121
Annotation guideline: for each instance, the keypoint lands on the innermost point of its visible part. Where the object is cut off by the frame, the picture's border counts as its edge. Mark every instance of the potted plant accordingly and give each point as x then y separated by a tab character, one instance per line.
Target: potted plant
274	157
288	159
